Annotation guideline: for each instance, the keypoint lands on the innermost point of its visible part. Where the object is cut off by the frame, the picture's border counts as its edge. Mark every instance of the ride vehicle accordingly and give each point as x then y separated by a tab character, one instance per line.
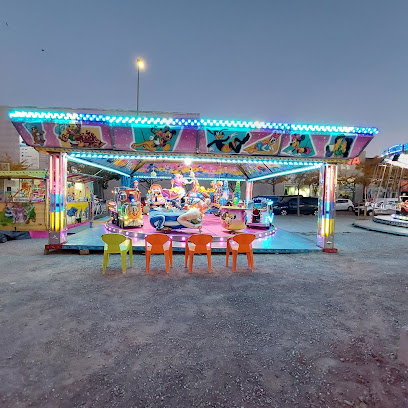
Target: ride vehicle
307	205
402	206
260	215
383	206
267	198
126	208
344	204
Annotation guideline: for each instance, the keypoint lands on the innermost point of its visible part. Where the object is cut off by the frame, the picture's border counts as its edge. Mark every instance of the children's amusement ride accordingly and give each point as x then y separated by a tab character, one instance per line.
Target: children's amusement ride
391	186
219	154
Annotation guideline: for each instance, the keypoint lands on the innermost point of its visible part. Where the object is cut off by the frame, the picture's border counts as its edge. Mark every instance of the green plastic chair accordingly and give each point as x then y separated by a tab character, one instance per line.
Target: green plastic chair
116	244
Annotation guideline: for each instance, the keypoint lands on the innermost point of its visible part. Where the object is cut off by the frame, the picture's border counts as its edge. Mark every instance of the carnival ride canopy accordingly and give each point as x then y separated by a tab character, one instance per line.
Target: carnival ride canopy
396	155
147	147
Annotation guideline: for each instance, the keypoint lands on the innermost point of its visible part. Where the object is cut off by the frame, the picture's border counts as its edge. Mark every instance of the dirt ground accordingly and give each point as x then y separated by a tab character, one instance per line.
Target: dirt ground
303	330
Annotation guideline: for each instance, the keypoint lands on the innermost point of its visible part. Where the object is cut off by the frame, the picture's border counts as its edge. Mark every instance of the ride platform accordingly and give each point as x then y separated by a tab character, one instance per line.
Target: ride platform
273	240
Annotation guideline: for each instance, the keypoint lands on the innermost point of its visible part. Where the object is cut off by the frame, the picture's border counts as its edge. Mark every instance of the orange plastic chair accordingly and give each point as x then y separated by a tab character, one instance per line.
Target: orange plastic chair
198	244
159	244
116	244
240	243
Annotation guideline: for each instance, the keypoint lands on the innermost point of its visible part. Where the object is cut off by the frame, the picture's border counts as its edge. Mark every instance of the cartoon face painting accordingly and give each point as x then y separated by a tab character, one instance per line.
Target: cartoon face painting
227	143
158	140
38	136
340	148
76	137
300	145
267	145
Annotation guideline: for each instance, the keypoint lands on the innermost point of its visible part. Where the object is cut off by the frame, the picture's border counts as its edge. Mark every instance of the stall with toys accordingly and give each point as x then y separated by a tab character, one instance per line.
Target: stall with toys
207	163
23	200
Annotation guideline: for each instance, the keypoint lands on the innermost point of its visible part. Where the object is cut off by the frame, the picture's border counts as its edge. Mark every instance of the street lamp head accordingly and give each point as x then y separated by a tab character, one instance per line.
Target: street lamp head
140	63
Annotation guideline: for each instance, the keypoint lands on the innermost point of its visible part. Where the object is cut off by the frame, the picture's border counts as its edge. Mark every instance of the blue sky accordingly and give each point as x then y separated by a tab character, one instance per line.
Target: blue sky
315	61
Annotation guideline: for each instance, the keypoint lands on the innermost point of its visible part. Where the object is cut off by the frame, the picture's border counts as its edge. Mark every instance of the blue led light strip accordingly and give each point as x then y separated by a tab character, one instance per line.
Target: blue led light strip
193	159
283	173
63	117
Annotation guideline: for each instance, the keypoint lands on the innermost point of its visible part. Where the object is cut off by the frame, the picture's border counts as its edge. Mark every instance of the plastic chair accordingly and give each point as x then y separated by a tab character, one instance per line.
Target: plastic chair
116	244
240	243
198	244
159	244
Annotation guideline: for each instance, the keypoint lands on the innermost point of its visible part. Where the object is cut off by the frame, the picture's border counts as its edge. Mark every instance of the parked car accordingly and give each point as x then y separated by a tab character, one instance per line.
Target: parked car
307	205
344	204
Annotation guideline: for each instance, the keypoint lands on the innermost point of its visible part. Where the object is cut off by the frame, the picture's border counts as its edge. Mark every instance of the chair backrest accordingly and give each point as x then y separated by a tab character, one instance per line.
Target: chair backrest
157	240
243	240
201	241
113	241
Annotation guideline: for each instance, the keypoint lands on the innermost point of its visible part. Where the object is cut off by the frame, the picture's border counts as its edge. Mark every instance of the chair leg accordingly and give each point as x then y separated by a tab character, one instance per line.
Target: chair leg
234	260
171	256
123	258
167	260
131	253
228	252
105	262
248	254
190	267
209	261
148	255
186	256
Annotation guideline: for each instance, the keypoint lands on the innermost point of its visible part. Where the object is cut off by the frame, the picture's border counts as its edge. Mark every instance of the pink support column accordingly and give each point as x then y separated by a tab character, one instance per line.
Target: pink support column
57	200
327	213
248	191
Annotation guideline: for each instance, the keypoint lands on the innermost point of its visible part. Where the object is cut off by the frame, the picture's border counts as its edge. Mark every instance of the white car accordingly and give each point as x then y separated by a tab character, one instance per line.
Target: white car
344	204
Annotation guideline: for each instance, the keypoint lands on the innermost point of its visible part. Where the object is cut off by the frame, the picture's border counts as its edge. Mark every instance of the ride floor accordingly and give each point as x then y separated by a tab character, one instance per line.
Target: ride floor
268	241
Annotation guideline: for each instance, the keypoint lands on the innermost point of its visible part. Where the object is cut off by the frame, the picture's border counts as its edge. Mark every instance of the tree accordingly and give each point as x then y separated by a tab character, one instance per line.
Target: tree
15	166
366	171
307	178
274	181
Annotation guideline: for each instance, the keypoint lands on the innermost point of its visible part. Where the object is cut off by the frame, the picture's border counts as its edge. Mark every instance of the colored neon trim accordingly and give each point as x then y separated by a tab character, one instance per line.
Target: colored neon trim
63	117
88	163
193	159
283	173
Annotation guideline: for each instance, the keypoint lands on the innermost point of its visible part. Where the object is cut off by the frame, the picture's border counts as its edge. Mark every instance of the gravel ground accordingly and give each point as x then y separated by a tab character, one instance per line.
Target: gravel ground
303	330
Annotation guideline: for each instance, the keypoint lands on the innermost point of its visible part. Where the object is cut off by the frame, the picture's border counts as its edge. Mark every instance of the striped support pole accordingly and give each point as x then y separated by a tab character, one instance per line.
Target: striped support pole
327	213
57	186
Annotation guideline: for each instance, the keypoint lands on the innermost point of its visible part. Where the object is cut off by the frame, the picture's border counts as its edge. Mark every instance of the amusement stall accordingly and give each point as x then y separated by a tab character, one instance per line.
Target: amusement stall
23	200
209	167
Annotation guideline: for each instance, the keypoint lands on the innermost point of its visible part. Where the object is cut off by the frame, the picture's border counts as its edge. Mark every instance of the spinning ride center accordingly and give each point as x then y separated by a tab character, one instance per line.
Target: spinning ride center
223	153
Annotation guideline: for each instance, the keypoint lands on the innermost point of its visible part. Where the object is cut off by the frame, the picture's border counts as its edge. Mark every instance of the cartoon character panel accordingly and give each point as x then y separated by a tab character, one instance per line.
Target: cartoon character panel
243	142
168	170
156	138
65	135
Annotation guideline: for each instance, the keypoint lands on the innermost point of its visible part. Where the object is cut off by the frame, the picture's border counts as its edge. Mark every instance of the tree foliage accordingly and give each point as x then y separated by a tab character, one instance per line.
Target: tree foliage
15	166
366	170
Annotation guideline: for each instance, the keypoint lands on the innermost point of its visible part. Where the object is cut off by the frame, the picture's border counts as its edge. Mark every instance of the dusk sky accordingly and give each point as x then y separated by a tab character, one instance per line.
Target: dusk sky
339	62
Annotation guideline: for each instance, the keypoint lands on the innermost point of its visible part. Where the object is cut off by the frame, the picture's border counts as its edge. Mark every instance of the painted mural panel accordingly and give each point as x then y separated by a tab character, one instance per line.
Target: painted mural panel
339	146
208	140
255	170
65	135
168	170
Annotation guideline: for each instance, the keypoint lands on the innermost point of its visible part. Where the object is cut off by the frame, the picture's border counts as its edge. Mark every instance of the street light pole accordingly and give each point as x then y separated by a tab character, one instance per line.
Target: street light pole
140	64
